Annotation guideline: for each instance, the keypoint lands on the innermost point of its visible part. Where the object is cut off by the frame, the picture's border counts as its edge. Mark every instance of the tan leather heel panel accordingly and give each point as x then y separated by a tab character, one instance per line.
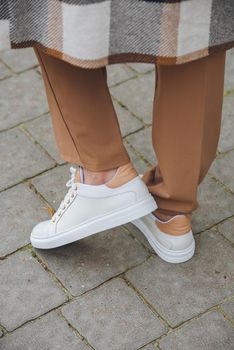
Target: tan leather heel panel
123	175
178	226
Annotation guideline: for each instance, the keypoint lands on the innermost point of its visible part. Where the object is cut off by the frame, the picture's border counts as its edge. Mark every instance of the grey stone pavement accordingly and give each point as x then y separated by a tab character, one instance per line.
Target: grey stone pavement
110	291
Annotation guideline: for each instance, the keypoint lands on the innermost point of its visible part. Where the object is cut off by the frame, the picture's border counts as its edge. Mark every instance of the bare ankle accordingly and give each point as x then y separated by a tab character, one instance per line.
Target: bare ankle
98	178
163	216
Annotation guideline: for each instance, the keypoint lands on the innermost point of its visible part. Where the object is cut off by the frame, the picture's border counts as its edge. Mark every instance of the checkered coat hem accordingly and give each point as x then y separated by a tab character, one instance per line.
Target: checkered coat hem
96	33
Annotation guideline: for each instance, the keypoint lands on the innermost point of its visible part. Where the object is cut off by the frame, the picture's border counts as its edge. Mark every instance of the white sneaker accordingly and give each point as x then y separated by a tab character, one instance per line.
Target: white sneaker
88	209
171	240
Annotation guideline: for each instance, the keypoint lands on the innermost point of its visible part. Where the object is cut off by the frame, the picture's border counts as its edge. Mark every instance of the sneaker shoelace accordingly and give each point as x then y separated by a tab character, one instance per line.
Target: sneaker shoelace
73	187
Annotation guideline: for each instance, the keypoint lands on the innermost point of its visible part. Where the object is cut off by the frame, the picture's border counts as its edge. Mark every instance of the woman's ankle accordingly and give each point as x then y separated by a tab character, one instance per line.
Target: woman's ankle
97	177
164	216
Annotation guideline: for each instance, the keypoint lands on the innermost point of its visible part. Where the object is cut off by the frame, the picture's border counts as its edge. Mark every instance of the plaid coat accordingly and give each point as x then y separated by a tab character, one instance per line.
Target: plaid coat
94	33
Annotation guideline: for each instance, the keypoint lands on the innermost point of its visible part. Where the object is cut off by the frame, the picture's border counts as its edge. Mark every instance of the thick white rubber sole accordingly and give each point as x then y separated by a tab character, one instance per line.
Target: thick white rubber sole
98	224
171	256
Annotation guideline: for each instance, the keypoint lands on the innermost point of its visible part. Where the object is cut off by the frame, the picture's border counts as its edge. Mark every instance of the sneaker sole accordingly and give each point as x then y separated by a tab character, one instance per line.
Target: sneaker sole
171	256
107	221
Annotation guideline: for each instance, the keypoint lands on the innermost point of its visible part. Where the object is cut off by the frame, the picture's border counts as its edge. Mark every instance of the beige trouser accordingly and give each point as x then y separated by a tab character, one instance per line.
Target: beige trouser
186	123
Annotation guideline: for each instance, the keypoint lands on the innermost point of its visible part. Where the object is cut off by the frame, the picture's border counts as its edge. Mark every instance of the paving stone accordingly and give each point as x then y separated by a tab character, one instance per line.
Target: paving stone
228	308
26	290
227	229
52	184
137	94
20	59
223	169
89	262
42	131
229	71
117	73
113	317
141	67
149	347
228	105
142	142
17	220
4	71
20	158
226	141
128	123
22	98
48	332
182	291
215	205
38	69
209	332
139	164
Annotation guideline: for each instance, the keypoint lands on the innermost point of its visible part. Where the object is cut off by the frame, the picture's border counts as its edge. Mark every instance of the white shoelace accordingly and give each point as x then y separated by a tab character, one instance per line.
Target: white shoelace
73	187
